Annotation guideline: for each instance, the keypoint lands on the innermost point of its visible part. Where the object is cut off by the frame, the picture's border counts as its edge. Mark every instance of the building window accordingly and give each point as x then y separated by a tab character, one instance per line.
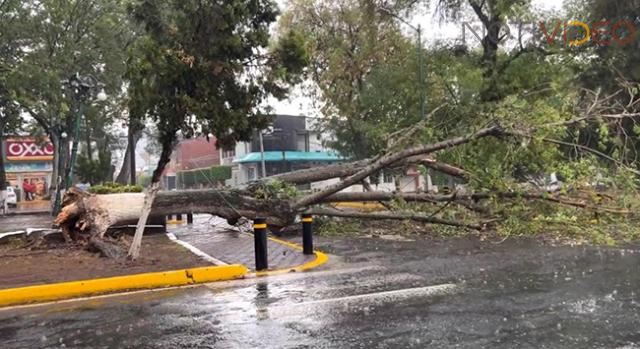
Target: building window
251	173
302	142
388	177
228	153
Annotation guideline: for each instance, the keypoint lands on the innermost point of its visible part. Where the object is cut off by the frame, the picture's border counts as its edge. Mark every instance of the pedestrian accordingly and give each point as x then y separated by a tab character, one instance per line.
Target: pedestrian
27	188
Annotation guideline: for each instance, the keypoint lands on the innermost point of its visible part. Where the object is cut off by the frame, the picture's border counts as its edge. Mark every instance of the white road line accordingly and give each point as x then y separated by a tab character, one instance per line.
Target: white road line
195	250
395	295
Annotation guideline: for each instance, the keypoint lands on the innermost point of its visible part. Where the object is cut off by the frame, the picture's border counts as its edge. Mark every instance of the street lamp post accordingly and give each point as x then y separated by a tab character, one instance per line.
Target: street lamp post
83	88
421	82
264	167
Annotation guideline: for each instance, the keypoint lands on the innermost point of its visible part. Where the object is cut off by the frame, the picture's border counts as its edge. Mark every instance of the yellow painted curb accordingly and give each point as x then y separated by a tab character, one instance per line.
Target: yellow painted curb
66	290
174	222
321	259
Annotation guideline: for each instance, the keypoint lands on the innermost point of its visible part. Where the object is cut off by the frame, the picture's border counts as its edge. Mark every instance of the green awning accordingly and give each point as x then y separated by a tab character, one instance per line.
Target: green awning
271	156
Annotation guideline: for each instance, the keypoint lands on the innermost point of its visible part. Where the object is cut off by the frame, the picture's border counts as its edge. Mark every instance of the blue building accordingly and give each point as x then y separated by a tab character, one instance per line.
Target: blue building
291	143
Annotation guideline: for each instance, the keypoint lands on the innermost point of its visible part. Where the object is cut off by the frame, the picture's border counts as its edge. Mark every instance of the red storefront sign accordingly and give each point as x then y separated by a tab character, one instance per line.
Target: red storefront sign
28	150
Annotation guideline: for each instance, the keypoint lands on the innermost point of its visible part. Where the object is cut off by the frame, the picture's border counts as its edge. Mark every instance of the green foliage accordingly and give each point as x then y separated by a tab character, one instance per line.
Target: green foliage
201	68
204	176
324	226
115	188
94	171
144	180
275	189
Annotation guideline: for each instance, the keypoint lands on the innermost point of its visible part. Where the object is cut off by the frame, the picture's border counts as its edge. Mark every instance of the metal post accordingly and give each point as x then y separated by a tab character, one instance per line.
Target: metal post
307	234
421	74
264	167
260	243
74	147
189	218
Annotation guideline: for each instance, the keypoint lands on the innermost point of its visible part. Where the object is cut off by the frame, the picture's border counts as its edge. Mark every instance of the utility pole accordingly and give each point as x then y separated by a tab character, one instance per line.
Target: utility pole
264	167
421	74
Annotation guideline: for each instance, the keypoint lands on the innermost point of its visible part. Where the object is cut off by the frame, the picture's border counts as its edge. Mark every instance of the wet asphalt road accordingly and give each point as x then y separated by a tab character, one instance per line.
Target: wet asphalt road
374	293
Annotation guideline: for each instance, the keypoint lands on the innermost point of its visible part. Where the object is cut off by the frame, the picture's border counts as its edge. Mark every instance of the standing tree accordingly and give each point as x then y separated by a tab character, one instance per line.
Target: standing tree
67	38
204	67
13	22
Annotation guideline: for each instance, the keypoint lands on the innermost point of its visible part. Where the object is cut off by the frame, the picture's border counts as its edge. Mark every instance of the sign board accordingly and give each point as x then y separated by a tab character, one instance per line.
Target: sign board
28	150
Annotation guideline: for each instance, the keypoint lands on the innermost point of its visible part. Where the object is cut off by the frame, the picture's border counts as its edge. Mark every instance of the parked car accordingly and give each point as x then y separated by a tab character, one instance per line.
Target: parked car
12	198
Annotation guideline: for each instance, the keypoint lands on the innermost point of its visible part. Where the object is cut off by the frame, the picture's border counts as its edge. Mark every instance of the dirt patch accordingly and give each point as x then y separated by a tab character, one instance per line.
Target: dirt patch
21	267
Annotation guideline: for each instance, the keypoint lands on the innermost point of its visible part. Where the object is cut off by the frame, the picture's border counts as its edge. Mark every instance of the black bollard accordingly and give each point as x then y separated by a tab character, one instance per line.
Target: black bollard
179	217
189	218
260	243
307	234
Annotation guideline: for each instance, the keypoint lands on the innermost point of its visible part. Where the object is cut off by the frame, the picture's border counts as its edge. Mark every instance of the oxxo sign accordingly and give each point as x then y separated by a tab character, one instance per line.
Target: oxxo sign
28	150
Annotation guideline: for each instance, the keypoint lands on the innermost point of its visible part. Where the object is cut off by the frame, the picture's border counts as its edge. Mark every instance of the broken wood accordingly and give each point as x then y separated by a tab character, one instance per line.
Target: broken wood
96	213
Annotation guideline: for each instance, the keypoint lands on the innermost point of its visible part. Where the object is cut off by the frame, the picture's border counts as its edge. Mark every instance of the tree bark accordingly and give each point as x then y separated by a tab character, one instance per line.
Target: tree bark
125	176
150	195
3	173
470	197
390	159
394	216
56	164
318	174
94	214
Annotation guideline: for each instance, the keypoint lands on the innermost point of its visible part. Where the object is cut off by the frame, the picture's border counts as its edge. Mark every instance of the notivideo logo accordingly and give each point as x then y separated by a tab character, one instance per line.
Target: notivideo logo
570	33
604	33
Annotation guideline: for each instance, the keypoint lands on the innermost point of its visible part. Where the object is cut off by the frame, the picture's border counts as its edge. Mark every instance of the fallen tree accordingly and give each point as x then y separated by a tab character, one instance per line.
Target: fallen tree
91	215
94	214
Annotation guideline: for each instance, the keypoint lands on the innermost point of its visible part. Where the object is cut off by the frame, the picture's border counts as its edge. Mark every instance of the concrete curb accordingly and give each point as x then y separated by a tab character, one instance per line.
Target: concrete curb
146	281
321	259
74	289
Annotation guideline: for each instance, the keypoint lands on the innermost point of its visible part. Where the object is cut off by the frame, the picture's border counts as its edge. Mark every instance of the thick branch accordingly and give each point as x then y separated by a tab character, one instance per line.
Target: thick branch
390	159
394	216
457	197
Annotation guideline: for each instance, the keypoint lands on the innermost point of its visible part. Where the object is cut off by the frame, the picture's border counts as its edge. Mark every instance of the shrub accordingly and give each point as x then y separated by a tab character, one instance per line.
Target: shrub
115	188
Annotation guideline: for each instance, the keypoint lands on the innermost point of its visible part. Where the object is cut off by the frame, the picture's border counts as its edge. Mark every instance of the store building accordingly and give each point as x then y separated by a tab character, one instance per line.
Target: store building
26	159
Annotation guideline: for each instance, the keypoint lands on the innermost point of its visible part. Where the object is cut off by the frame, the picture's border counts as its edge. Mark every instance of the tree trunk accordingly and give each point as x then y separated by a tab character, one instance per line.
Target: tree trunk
390	159
56	164
3	175
150	195
317	174
125	176
94	214
88	134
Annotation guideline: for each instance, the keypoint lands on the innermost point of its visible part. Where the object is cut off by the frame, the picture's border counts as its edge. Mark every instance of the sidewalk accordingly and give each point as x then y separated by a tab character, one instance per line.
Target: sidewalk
13	222
215	238
207	251
30	207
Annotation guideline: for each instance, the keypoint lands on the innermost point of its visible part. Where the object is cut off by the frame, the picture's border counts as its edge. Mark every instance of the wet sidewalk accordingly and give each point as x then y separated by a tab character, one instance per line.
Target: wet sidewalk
30	208
213	236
